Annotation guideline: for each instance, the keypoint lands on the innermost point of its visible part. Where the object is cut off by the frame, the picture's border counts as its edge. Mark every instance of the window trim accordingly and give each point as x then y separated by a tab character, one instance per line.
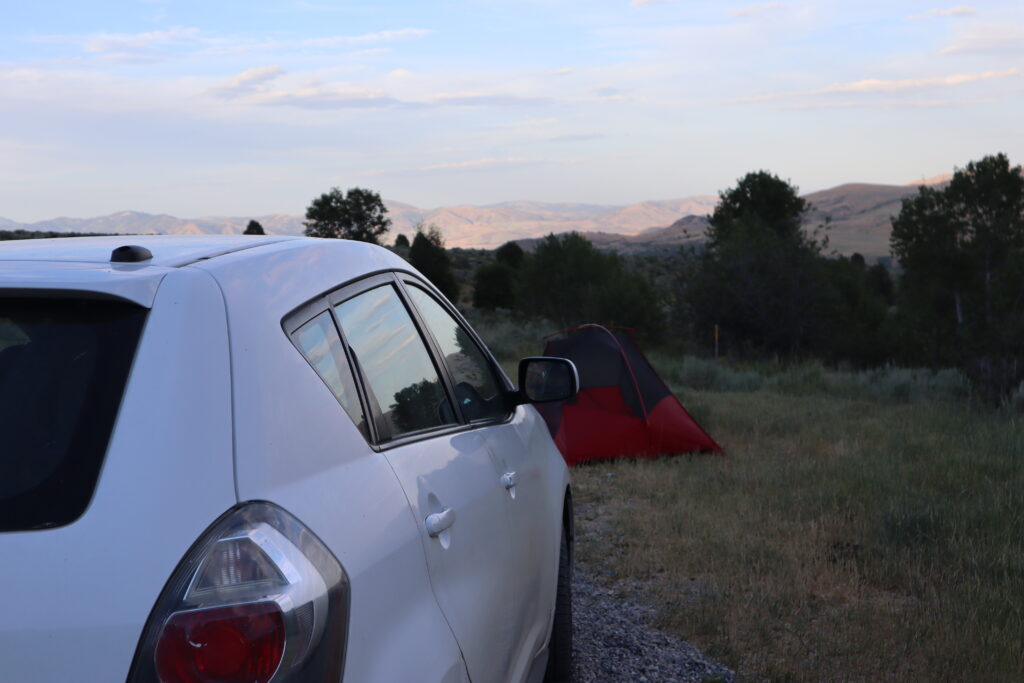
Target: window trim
502	382
378	431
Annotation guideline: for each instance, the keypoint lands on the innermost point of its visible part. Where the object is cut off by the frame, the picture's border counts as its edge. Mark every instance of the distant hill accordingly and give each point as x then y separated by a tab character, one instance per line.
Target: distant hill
860	215
462	226
860	221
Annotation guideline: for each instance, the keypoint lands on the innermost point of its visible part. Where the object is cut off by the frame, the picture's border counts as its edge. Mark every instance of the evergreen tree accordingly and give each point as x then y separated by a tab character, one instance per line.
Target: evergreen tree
427	254
962	291
760	276
494	286
569	281
254	228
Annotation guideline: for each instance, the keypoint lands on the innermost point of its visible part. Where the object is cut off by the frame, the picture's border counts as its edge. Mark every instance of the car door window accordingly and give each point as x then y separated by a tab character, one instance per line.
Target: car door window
477	388
319	342
393	358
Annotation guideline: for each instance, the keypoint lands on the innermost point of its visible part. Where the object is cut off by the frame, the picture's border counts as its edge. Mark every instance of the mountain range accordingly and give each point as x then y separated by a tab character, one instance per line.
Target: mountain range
860	221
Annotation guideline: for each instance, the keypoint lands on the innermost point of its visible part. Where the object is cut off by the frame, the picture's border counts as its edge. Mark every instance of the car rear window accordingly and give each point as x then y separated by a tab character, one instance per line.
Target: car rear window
63	368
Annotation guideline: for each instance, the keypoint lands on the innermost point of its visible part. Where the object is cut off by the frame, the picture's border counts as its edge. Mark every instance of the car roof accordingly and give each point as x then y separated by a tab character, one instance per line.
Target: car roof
83	264
169	251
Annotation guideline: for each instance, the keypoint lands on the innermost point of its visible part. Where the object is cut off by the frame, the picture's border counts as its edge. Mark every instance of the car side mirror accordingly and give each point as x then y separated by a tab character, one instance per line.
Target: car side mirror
543	379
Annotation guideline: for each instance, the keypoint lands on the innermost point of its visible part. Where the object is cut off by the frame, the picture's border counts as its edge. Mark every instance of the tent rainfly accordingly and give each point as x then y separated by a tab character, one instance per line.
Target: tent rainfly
623	407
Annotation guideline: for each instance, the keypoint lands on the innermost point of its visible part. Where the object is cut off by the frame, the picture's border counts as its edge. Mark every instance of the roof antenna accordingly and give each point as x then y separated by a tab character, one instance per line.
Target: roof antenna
130	253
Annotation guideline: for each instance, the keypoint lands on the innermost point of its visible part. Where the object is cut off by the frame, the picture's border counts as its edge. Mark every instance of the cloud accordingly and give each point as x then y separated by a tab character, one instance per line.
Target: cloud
528	124
368	38
459	166
871	86
577	137
645	3
893	104
476	163
135	42
564	71
247	81
372	52
991	39
958	11
482	99
325	97
753	10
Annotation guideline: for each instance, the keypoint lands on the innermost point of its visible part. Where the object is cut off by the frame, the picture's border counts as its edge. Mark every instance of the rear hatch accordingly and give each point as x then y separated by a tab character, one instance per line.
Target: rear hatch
115	454
64	363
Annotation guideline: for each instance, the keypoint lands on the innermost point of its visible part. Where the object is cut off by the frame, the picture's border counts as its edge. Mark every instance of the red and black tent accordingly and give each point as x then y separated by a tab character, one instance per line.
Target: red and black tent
623	407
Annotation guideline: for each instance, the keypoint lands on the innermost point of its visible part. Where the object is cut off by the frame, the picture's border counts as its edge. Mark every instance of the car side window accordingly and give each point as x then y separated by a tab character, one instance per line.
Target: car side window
393	358
319	342
477	388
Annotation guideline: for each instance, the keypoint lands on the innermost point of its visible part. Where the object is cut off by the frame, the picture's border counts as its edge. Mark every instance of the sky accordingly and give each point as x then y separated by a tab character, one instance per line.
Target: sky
199	108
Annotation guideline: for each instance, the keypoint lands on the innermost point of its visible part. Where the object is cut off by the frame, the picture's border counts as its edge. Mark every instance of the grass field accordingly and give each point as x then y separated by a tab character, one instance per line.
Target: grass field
856	530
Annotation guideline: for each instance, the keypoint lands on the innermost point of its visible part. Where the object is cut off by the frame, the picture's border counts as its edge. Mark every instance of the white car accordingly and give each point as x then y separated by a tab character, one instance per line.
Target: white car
228	458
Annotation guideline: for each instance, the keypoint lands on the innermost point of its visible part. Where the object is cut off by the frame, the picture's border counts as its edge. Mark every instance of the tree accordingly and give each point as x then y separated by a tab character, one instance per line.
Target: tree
357	214
254	228
569	281
427	254
494	286
510	253
759	277
401	241
962	292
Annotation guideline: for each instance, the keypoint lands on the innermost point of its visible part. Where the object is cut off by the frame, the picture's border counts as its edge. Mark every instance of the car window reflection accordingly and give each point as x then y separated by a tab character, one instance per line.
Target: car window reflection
476	386
395	361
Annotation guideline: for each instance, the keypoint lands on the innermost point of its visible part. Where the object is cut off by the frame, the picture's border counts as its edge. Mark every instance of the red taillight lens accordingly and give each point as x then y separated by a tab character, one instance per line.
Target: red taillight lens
236	644
257	599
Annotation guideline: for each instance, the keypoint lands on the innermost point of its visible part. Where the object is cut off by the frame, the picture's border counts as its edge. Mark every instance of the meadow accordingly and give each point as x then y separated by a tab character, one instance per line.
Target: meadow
862	526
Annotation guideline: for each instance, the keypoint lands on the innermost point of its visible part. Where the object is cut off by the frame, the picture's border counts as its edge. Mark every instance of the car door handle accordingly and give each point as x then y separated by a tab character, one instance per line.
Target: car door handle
439	521
509	479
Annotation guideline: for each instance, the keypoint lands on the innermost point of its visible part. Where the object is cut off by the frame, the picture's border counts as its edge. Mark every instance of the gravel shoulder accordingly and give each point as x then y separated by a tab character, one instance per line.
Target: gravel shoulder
614	636
614	640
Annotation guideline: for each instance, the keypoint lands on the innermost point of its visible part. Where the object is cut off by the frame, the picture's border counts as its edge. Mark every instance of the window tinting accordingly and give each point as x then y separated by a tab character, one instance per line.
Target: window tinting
63	369
476	386
394	361
320	344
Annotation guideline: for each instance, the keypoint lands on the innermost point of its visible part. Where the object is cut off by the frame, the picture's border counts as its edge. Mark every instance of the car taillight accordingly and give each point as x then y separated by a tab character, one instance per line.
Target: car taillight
257	599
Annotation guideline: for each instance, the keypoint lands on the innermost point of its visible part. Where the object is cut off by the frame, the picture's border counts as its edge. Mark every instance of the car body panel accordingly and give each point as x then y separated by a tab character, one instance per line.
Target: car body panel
78	596
221	408
298	448
534	521
470	562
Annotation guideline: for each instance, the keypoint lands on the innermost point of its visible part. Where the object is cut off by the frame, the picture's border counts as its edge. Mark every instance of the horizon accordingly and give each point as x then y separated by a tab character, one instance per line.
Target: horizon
235	109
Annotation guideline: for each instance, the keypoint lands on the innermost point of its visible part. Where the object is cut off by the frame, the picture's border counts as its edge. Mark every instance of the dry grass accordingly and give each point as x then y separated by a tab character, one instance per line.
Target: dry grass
840	539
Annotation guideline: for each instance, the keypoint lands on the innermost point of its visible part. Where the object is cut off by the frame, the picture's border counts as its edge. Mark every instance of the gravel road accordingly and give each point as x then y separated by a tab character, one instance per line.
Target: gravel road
615	641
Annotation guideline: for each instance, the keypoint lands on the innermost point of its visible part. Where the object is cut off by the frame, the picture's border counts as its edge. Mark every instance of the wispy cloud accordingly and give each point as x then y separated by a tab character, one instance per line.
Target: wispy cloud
368	38
753	10
129	47
954	12
577	137
485	99
887	86
136	42
325	97
564	71
247	81
484	163
893	103
988	39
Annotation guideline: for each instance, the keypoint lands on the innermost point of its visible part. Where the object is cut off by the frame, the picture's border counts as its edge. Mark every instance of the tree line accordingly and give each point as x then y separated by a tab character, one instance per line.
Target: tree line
764	285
